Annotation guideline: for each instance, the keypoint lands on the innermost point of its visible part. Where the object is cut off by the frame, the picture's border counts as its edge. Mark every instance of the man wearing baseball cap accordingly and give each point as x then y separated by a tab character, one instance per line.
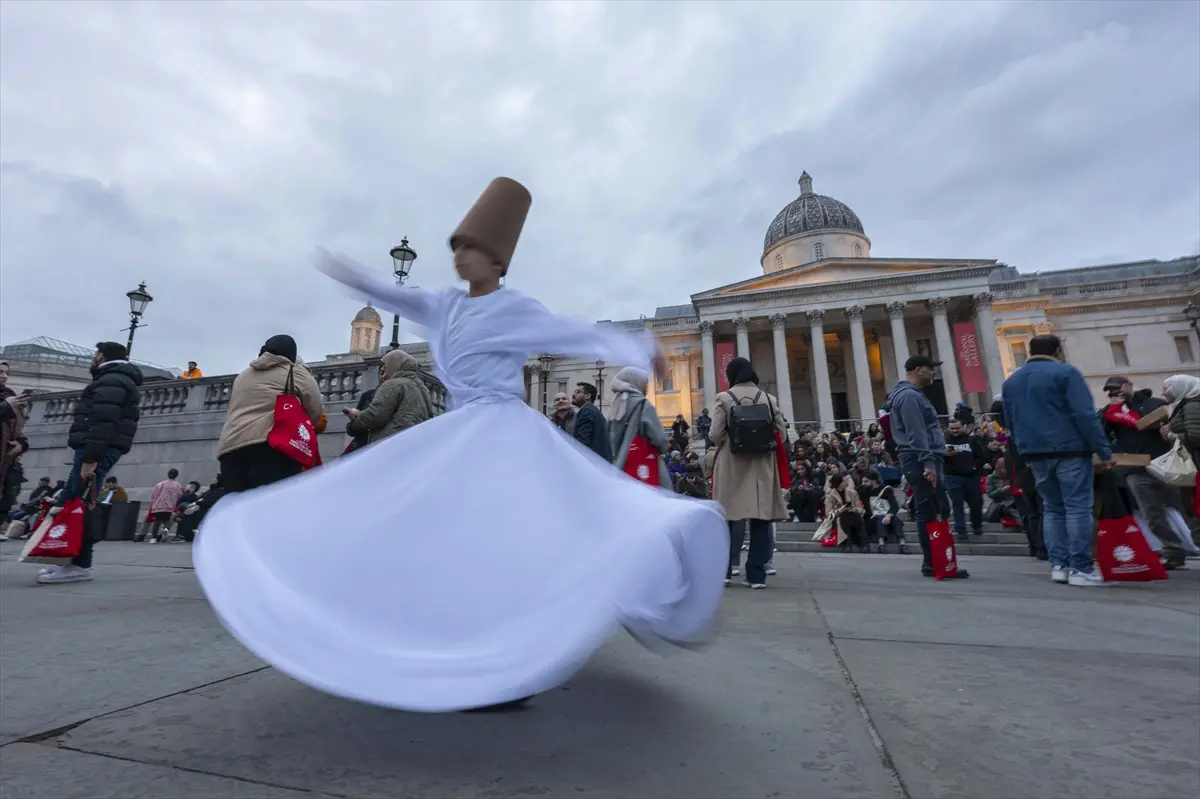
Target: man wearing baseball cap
1120	418
922	449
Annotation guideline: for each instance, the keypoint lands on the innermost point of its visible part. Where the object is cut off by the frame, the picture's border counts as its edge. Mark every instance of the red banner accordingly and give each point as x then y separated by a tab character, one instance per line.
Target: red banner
970	358
725	353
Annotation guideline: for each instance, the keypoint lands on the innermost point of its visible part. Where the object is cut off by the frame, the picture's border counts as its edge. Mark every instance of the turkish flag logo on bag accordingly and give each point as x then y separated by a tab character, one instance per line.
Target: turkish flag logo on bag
941	550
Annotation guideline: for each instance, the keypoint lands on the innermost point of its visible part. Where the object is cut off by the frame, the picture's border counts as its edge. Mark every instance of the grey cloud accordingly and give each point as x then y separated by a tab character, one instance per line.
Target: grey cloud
208	147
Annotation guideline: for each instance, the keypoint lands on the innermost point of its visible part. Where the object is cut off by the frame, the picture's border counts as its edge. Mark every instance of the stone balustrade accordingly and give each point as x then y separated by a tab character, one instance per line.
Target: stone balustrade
181	423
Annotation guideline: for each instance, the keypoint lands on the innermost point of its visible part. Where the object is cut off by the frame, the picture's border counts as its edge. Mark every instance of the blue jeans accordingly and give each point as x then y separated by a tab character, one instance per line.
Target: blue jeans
965	489
896	528
929	503
760	548
1065	486
103	466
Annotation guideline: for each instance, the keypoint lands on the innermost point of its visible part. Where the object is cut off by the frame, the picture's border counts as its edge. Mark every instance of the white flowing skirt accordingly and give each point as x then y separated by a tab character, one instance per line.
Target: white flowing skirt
479	557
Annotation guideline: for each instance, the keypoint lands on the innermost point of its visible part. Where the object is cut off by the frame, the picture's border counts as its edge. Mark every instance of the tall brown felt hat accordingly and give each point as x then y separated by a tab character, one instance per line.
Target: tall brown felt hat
495	220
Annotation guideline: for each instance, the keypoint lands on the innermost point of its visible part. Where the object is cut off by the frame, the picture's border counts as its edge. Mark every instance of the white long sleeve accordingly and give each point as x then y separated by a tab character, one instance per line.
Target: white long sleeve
421	306
541	330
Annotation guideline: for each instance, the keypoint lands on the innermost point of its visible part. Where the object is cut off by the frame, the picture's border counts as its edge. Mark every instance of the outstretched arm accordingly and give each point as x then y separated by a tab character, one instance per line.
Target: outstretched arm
418	305
540	330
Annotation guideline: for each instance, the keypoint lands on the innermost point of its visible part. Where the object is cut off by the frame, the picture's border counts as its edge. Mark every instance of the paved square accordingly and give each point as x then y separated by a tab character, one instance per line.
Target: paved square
851	676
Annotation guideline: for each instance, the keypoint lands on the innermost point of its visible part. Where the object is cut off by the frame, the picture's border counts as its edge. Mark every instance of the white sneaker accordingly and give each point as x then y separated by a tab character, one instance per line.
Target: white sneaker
749	584
770	569
48	570
735	571
1058	574
1085	578
66	574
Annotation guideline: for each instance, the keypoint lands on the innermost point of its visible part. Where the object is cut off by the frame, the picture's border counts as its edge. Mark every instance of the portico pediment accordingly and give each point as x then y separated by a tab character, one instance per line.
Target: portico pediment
835	271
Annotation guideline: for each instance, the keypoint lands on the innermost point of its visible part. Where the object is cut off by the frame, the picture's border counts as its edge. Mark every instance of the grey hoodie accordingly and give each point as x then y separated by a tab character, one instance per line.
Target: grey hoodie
915	426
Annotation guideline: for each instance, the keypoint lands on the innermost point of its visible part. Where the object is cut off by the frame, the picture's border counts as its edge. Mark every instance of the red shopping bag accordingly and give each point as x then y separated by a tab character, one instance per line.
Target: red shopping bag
292	432
941	549
642	461
830	539
1196	497
781	463
63	538
1124	555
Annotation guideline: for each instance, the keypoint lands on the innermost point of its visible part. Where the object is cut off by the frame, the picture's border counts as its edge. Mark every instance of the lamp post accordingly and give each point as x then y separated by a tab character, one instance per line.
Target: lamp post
546	361
600	384
402	259
139	298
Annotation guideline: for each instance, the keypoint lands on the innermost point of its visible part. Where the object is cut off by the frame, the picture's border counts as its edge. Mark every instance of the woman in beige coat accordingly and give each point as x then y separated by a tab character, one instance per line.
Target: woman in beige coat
247	460
843	504
747	486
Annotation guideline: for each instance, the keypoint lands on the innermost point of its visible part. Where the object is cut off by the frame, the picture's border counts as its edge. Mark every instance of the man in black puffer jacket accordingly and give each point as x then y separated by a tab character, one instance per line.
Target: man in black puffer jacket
106	420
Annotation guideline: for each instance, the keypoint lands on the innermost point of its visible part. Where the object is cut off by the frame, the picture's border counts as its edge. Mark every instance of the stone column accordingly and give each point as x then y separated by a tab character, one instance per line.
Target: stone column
709	355
742	325
534	385
862	366
946	352
985	328
783	377
816	322
895	312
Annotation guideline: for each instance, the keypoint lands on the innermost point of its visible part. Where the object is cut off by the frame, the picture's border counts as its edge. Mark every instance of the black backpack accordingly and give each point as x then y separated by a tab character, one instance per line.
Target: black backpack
751	427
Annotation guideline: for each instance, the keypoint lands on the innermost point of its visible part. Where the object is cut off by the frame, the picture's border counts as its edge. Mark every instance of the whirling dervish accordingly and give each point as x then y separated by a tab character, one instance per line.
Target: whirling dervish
442	591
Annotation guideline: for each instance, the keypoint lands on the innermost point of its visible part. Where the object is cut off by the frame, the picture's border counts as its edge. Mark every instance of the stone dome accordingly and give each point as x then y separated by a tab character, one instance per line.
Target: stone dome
368	314
809	213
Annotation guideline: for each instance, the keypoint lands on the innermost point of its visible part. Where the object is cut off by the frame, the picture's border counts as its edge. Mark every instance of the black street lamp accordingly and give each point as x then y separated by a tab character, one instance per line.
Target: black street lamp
600	384
402	258
139	298
546	362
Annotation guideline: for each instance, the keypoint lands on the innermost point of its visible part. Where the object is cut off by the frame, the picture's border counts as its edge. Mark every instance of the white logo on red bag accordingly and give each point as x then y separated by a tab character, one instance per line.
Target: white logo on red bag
643	472
934	535
1123	553
57	531
302	431
1132	529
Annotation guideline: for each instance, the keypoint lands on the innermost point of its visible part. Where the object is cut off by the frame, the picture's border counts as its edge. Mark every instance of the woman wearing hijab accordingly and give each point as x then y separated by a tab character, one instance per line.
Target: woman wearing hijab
1184	423
631	415
747	485
401	401
247	460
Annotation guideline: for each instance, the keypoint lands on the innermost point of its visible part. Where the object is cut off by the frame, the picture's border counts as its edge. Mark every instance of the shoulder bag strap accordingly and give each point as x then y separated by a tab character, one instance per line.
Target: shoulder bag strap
290	386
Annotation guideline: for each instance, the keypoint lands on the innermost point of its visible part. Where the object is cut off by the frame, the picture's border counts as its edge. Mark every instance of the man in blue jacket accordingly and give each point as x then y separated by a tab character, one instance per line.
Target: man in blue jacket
1055	428
921	444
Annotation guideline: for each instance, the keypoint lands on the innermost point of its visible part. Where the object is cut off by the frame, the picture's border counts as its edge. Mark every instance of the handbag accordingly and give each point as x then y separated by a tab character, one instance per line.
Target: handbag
1123	553
824	528
59	538
292	432
781	462
1174	468
641	462
942	552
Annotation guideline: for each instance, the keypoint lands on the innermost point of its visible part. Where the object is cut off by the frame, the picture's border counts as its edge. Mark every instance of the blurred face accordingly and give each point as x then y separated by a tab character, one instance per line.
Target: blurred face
1167	394
3	375
580	397
475	266
924	375
97	358
876	448
956	428
561	401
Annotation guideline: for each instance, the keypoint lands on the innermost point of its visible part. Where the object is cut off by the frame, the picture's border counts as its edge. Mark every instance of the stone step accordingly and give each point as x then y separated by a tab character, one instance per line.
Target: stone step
909	532
1010	550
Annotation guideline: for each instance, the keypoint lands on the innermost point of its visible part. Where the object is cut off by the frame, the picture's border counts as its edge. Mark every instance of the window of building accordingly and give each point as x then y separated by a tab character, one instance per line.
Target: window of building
1120	355
857	250
778	261
562	387
819	250
1183	346
699	375
1019	354
667	383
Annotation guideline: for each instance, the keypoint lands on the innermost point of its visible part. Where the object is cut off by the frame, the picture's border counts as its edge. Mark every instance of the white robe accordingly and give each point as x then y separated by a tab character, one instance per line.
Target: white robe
476	558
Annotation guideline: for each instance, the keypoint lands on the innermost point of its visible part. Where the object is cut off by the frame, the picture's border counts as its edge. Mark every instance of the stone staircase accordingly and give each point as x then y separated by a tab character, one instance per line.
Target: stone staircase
996	540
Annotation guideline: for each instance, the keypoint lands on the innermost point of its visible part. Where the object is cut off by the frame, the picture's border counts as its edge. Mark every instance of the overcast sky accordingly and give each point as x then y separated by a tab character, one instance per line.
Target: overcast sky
206	148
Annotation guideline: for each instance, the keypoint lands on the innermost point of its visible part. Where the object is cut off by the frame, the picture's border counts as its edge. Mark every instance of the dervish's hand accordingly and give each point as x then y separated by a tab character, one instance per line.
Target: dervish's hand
342	268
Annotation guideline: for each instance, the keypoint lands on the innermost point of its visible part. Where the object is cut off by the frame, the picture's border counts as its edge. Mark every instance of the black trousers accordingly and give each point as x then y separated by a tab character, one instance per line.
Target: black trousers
255	466
760	548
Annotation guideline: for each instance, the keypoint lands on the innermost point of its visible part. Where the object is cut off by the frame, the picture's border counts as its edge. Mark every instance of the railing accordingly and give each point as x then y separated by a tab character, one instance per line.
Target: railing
339	384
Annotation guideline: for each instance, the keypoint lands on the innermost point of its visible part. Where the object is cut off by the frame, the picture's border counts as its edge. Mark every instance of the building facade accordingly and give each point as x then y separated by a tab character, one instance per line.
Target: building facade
828	327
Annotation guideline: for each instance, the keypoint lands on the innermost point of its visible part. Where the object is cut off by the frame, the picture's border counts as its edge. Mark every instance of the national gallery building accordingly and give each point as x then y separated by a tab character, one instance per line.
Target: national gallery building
827	324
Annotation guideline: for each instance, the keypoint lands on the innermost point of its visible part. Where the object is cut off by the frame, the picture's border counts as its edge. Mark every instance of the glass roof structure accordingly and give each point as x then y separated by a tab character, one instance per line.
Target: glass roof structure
44	349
